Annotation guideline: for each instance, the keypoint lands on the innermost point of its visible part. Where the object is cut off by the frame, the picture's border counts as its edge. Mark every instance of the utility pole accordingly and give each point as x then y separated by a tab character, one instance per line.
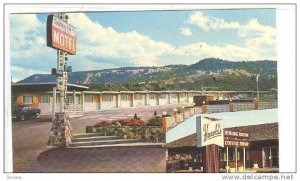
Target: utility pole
257	87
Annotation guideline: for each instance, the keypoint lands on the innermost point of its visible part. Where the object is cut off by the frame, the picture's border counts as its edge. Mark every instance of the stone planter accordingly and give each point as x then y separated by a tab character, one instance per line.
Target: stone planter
153	134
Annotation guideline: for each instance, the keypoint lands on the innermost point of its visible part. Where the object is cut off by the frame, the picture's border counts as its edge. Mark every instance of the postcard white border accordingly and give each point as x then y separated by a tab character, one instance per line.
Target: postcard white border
286	67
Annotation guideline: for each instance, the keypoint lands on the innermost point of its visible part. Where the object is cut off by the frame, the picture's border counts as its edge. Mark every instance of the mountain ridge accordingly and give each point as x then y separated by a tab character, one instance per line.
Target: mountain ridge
205	72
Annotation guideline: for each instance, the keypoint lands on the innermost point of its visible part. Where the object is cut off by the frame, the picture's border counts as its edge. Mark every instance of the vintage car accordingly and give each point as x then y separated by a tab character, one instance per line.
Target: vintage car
24	111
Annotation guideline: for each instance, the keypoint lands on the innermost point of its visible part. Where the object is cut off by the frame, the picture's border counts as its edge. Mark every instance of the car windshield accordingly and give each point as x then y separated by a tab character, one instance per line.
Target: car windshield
17	108
25	108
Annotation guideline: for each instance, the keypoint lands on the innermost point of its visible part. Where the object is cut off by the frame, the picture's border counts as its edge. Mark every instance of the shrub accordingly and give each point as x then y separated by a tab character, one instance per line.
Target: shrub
167	115
155	121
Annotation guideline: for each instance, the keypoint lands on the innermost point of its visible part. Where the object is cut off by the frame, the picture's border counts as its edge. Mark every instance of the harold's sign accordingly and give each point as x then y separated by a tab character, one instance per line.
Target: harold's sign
61	35
209	131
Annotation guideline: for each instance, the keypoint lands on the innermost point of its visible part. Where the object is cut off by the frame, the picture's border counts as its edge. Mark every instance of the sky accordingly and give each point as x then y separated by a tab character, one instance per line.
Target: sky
145	38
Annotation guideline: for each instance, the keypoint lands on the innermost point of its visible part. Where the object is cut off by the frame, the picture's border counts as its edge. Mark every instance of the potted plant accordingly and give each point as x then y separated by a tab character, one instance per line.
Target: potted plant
255	164
240	166
232	167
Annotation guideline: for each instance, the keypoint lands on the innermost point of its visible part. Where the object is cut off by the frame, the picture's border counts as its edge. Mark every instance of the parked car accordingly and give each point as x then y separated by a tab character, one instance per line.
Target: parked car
22	112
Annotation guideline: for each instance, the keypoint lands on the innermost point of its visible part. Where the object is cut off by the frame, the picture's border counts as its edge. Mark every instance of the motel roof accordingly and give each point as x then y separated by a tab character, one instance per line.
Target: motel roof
43	87
230	120
259	132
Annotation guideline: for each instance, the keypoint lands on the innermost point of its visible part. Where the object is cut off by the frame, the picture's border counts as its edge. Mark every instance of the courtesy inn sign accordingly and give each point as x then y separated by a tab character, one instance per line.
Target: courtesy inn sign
61	35
209	131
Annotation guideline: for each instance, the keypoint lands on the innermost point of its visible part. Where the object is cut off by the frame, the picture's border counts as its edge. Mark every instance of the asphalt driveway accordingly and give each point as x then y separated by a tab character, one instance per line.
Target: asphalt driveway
30	153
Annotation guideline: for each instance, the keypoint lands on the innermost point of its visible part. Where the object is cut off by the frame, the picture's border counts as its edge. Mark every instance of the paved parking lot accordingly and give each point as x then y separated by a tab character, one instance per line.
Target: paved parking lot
30	153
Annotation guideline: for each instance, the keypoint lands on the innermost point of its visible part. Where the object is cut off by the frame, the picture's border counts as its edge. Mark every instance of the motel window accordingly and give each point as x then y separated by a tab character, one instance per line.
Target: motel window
70	99
13	98
137	96
44	99
57	99
108	98
89	98
173	96
162	96
27	99
124	97
151	96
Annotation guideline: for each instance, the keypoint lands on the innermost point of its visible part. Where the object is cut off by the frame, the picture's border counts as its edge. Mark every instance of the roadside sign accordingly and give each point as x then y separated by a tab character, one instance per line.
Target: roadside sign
61	35
209	131
236	139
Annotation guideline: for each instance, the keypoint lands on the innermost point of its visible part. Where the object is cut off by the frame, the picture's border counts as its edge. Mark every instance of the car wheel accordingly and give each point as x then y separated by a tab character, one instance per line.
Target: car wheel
37	115
22	117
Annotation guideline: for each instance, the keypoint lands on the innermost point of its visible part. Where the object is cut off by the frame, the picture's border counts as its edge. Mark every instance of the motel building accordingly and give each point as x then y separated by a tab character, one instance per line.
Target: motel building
250	143
80	99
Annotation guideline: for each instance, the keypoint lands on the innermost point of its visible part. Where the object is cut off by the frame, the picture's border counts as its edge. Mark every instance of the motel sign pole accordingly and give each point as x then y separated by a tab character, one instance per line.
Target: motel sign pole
61	82
62	37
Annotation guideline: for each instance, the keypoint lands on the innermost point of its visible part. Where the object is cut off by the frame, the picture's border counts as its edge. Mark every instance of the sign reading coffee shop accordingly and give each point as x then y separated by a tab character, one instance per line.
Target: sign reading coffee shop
236	138
209	131
61	35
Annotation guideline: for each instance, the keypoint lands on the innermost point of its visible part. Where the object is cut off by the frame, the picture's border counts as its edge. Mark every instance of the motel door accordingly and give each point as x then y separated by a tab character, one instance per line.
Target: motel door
270	157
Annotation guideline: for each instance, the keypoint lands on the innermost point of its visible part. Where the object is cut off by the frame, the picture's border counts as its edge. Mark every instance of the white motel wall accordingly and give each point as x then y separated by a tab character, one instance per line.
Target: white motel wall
95	101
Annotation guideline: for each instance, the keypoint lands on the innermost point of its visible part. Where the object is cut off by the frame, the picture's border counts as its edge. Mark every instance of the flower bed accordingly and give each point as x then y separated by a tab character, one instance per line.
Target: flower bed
129	129
122	122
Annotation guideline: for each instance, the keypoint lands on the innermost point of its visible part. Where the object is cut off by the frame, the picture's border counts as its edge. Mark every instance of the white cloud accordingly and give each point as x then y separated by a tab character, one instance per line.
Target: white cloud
95	43
130	48
186	31
253	32
102	47
207	23
259	41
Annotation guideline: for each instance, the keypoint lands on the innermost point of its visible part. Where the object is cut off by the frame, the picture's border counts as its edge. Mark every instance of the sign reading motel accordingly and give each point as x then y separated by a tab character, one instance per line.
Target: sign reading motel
209	131
61	35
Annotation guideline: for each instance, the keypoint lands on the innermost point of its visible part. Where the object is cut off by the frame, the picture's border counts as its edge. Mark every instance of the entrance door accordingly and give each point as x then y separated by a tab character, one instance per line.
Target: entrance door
270	157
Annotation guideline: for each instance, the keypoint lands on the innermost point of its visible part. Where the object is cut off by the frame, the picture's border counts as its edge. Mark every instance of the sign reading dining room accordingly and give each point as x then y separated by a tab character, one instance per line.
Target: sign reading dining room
209	131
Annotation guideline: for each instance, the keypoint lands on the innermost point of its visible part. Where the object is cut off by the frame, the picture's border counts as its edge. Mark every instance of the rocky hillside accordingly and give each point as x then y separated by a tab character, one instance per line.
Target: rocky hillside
211	72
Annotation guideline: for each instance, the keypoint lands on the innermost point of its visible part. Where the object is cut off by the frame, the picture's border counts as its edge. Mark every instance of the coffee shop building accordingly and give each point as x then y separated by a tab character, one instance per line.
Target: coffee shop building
258	151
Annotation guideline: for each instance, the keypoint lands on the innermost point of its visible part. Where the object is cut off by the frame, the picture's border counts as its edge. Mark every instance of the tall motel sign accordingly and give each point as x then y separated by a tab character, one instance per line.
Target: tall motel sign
61	36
